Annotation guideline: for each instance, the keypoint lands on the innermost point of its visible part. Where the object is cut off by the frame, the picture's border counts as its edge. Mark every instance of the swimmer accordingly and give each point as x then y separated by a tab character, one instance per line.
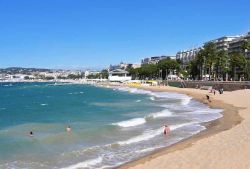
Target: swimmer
68	129
31	134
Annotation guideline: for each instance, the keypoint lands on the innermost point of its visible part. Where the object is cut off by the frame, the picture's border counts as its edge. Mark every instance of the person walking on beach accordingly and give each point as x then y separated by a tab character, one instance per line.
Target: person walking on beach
166	130
208	98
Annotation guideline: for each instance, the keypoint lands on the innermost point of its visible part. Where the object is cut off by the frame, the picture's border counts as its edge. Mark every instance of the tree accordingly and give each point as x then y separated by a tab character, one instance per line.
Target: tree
210	54
134	72
193	70
148	71
26	77
168	65
220	63
247	70
104	74
245	45
74	76
237	61
200	62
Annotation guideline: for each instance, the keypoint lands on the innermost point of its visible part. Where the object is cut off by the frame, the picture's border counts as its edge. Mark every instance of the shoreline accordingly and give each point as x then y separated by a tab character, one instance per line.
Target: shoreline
229	119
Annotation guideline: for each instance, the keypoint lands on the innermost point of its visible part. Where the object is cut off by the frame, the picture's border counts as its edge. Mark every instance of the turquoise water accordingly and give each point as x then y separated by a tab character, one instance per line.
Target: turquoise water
109	126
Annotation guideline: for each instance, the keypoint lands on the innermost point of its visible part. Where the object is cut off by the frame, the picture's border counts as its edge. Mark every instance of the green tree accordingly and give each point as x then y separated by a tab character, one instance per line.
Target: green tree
245	45
148	71
199	64
237	61
193	70
168	65
247	70
104	74
134	72
210	54
220	63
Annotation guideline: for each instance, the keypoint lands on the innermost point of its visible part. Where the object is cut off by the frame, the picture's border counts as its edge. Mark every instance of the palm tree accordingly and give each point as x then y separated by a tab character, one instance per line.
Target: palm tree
220	63
210	53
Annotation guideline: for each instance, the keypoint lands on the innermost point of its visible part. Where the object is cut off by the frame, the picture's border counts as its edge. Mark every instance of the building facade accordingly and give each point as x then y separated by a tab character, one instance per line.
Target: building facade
186	56
154	59
119	75
236	45
222	43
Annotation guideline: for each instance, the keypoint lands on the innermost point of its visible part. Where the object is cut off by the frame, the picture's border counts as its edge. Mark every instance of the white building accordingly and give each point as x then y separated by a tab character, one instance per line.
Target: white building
154	59
119	75
223	42
186	56
88	72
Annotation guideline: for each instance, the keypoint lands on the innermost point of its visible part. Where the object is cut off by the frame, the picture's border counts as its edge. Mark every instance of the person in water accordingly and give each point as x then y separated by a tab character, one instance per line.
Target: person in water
166	130
68	129
31	134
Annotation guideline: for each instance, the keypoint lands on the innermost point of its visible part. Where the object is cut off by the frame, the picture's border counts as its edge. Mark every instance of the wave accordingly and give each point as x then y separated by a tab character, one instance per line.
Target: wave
139	121
76	93
134	90
152	98
44	104
148	149
164	113
152	133
185	100
85	164
207	111
167	95
137	101
131	123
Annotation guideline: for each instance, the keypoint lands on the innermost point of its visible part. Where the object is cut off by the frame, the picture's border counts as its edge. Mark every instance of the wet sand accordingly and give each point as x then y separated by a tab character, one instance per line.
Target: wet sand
225	143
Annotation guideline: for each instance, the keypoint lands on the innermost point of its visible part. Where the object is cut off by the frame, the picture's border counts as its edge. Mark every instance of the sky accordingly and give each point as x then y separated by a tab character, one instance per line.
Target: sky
96	33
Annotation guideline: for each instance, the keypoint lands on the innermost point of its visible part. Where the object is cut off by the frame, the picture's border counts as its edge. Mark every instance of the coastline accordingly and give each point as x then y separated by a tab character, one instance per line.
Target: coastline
161	158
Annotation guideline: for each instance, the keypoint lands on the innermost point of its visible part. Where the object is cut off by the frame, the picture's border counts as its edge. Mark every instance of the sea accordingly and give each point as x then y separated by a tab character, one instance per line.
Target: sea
110	126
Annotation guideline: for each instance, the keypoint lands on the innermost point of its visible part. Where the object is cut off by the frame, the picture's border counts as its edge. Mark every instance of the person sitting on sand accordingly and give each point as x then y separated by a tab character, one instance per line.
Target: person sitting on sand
166	130
68	129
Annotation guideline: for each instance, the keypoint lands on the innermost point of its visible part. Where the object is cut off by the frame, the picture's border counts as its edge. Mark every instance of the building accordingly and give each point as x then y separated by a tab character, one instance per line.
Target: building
89	73
124	66
236	45
154	59
119	75
223	42
186	56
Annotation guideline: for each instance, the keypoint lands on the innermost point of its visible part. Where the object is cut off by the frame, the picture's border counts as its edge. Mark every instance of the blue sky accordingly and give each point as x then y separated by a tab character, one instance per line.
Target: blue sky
96	33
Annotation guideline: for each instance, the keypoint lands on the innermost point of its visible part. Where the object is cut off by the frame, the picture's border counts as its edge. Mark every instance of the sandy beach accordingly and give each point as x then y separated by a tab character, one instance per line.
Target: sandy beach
225	144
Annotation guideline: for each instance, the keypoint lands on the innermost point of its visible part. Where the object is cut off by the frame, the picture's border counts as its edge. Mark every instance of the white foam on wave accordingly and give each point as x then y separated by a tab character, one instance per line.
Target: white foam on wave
134	90
44	104
207	111
148	149
152	98
147	135
137	101
85	164
164	113
185	100
168	95
131	122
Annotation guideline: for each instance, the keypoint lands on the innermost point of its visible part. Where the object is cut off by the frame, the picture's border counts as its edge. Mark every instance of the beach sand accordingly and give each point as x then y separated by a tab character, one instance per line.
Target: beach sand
224	145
